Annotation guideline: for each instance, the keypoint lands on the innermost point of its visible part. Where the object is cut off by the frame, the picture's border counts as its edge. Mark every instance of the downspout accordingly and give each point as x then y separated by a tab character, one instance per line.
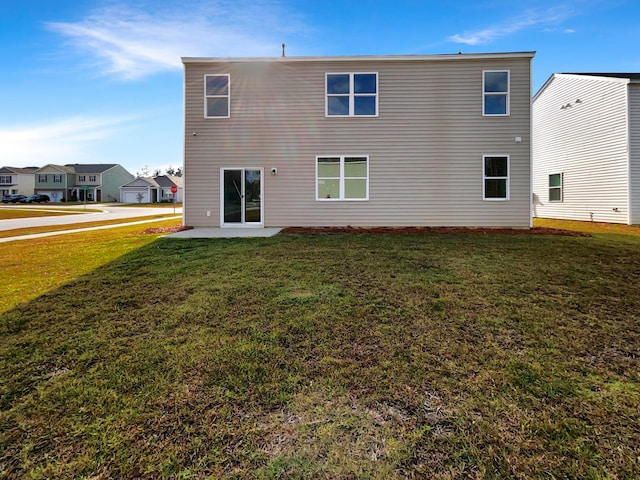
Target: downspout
530	146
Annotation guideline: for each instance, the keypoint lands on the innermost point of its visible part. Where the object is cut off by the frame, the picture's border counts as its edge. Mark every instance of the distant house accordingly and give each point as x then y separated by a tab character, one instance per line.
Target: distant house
56	181
151	190
80	182
17	180
586	148
407	140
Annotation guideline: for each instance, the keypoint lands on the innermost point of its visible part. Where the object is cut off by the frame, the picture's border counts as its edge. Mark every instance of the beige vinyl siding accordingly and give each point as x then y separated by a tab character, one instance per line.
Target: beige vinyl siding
587	143
425	147
634	152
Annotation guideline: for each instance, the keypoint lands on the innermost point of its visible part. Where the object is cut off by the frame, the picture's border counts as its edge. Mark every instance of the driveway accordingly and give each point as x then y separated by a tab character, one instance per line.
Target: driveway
108	212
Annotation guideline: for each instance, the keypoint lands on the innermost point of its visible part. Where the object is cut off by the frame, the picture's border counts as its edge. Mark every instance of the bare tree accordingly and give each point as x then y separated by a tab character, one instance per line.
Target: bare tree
144	172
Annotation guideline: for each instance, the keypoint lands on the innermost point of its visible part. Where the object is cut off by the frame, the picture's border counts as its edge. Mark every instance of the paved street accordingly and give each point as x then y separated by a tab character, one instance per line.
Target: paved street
108	212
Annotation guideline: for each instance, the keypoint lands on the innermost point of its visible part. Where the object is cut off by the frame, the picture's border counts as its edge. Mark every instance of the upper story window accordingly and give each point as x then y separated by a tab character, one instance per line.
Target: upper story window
217	94
342	178
57	179
495	177
495	93
42	178
352	94
555	187
92	178
81	178
5	179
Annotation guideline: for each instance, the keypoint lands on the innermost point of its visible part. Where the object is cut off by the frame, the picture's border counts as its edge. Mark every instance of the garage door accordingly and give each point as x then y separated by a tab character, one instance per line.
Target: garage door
132	197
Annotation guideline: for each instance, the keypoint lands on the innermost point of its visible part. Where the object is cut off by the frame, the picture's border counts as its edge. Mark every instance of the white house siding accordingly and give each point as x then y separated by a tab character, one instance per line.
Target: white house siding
587	143
634	152
425	148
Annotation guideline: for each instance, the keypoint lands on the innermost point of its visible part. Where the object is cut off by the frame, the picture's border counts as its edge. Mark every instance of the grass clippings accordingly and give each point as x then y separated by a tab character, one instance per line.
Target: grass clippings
165	230
330	356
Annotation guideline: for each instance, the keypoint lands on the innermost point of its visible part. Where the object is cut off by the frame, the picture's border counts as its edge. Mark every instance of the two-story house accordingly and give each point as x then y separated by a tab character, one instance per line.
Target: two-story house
101	182
408	140
17	180
586	149
54	181
80	182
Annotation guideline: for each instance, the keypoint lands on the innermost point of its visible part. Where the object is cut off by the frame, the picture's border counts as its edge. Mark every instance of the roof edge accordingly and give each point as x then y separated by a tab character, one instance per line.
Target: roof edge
351	58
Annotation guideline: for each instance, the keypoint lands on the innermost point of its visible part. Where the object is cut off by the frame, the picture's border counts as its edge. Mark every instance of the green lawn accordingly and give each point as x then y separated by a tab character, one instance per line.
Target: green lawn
16	232
13	213
327	356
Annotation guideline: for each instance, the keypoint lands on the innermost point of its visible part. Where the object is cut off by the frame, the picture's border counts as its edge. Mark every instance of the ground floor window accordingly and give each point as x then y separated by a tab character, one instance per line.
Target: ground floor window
495	177
342	178
555	187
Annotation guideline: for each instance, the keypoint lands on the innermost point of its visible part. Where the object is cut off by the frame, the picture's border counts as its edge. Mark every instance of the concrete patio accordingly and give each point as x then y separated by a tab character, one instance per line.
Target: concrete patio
225	233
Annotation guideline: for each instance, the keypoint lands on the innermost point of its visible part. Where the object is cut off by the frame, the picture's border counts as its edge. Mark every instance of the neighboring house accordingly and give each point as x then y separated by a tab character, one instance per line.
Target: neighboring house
80	182
586	148
151	190
17	180
431	140
56	181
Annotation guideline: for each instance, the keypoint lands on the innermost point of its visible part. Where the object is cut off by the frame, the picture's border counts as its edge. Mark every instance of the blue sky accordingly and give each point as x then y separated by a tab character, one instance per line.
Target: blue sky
94	81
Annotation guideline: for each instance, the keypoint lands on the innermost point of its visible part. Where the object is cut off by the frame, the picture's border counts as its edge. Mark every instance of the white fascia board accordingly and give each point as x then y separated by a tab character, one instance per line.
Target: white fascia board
594	77
362	58
543	87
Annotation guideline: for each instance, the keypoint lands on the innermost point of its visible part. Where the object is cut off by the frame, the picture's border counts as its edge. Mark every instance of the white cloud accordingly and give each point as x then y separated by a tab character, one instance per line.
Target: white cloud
59	142
134	43
530	18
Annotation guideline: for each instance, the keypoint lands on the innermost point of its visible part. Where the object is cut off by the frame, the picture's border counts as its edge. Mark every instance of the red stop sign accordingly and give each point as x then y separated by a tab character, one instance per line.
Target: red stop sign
174	189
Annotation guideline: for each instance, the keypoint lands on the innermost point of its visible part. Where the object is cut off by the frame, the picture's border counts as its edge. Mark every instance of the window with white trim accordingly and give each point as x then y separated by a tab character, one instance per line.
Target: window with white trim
351	94
57	179
216	96
92	178
42	178
495	93
342	178
82	178
555	187
495	177
5	179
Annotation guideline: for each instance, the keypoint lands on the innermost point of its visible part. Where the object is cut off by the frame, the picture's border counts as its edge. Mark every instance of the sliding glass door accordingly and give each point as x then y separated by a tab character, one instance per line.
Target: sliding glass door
241	196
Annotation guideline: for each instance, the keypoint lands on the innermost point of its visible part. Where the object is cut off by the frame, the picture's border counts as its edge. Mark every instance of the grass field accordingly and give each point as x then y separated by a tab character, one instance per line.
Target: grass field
325	356
13	213
57	228
33	267
625	231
